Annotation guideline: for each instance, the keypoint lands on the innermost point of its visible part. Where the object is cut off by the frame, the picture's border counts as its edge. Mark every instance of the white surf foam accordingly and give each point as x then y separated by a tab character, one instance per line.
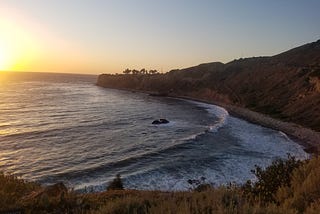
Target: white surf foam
255	145
272	143
221	113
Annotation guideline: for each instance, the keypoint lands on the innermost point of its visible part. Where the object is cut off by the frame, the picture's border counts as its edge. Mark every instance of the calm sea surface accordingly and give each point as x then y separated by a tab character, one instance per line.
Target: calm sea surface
58	127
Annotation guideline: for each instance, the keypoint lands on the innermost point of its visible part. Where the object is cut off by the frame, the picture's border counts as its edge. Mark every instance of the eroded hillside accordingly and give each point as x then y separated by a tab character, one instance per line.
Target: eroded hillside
285	86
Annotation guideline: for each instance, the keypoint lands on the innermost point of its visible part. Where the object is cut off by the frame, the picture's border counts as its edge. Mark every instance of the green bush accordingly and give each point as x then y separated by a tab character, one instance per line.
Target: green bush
269	180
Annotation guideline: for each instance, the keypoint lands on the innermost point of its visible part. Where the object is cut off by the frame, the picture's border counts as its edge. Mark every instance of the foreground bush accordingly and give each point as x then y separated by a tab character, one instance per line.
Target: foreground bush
286	186
12	190
116	184
304	192
294	188
269	180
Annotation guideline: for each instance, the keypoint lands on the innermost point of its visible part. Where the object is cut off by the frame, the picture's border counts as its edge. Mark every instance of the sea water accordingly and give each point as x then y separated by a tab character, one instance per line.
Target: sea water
59	127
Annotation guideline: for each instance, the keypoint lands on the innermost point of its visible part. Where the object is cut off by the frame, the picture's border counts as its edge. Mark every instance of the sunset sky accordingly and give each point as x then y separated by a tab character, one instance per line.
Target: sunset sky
95	36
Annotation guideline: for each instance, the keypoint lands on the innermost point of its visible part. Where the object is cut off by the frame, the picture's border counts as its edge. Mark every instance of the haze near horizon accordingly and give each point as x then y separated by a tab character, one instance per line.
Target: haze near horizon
109	36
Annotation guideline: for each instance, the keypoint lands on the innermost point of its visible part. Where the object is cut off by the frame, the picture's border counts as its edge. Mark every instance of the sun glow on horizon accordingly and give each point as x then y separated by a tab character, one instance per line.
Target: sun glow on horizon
18	45
28	45
6	61
9	54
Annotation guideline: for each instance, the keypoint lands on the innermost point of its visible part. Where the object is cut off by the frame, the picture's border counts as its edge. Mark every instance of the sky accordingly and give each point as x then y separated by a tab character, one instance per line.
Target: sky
108	36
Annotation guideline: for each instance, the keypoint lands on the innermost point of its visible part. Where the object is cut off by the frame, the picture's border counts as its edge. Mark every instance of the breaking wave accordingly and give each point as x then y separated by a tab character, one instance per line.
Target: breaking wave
67	129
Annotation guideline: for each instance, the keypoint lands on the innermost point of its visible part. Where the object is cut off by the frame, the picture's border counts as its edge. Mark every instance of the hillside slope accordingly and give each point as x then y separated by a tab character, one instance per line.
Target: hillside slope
285	86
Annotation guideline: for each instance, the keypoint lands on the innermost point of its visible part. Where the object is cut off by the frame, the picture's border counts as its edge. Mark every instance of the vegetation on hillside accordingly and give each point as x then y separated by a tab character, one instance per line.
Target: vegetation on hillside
284	86
142	71
289	186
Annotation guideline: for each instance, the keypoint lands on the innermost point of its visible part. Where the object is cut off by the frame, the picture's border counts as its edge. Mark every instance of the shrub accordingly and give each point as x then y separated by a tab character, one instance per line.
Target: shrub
269	180
304	192
12	189
199	185
116	184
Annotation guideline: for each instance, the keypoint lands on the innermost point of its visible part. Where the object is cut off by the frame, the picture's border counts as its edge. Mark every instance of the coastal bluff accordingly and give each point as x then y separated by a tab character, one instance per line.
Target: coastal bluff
280	91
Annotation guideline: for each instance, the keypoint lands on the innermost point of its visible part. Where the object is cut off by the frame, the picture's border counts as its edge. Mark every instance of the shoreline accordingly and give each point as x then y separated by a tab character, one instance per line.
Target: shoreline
309	139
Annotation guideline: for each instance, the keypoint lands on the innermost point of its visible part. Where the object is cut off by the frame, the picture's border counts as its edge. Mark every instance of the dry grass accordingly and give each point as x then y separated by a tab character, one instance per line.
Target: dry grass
12	190
302	196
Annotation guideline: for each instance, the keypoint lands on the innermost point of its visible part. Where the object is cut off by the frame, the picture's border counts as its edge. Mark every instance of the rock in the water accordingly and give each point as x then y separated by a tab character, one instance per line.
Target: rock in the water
156	122
160	121
164	121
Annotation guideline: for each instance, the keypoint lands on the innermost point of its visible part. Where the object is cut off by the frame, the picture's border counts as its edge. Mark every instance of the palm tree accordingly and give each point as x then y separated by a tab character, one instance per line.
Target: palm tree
153	72
143	71
134	71
127	71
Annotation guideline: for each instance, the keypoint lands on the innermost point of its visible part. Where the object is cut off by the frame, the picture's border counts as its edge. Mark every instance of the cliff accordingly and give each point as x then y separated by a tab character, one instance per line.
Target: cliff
285	86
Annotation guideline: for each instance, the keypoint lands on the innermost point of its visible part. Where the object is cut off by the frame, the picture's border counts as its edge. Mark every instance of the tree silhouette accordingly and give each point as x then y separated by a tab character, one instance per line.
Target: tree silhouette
116	184
134	71
143	71
153	72
127	71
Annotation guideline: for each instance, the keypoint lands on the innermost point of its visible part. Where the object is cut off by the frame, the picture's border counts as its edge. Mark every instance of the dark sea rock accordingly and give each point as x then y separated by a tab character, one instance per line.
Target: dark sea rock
160	121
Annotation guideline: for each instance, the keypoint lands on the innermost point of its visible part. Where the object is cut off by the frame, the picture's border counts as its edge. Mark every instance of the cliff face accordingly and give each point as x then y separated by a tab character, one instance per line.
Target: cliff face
284	86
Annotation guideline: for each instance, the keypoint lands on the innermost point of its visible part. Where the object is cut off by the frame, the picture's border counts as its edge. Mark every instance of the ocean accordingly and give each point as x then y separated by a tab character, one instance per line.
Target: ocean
62	127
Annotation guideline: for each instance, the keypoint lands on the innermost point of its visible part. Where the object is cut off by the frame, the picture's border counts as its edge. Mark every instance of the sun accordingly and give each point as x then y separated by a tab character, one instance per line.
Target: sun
13	45
6	57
